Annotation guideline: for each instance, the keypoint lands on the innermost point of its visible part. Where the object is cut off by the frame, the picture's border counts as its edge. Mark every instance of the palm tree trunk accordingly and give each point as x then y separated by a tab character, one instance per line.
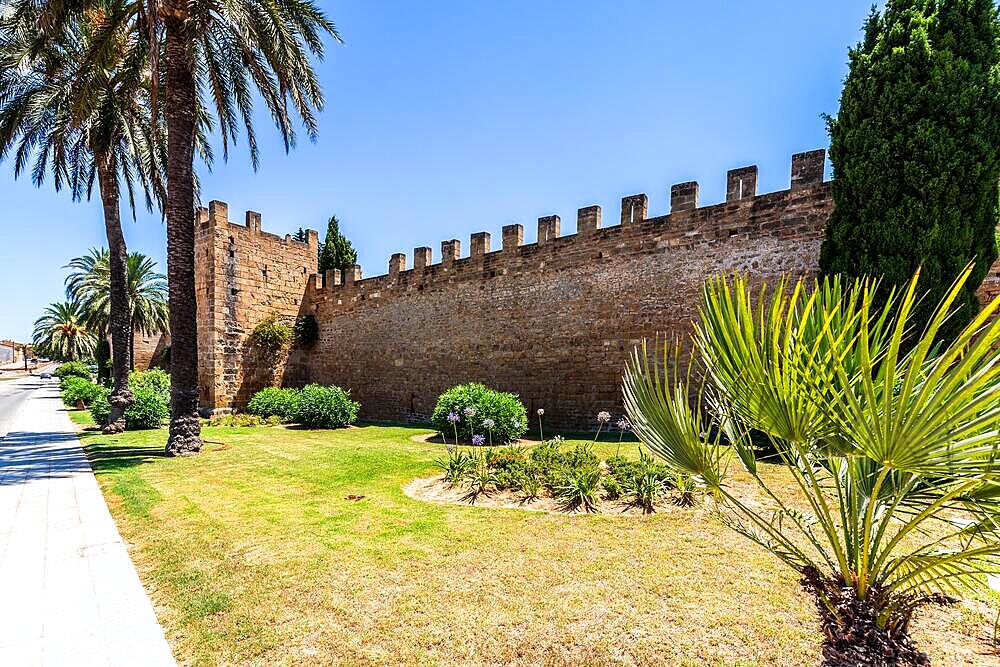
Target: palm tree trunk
131	346
185	429
121	397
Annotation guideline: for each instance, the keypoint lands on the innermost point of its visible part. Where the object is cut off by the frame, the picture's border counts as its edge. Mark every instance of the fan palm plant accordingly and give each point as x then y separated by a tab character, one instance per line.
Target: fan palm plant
62	333
147	291
889	436
84	118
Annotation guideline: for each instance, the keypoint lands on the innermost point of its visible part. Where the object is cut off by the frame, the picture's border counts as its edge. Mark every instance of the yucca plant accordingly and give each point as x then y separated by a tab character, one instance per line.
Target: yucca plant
889	436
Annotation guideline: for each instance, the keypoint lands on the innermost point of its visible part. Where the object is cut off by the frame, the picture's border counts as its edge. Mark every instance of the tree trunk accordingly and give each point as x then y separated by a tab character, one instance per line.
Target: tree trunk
121	397
131	347
852	637
185	428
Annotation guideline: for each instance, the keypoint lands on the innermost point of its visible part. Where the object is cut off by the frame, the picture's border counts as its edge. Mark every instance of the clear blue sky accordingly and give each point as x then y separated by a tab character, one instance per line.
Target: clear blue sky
455	117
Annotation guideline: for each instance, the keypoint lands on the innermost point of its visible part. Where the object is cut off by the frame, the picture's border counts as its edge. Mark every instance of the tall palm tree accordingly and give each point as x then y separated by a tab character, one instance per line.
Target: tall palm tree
147	293
62	332
224	50
78	105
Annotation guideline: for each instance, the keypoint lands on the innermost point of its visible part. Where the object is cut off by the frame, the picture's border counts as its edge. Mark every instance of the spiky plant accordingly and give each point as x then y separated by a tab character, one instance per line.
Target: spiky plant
889	436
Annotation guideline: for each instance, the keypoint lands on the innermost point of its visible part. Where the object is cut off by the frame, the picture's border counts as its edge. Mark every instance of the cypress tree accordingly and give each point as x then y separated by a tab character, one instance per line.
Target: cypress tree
336	252
916	150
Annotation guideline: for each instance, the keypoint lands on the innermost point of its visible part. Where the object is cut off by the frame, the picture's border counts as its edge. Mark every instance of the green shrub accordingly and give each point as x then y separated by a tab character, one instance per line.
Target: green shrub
77	368
75	388
154	379
456	466
326	407
479	478
275	402
271	335
475	403
243	420
305	332
578	489
149	408
100	408
612	488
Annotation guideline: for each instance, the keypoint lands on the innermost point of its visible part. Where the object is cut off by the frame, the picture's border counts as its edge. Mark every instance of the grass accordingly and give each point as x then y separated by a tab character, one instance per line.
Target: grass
253	554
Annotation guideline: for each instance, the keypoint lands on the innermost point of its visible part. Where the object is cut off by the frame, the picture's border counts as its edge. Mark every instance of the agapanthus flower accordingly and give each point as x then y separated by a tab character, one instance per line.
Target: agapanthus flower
488	423
623	424
541	411
479	440
470	412
453	417
603	416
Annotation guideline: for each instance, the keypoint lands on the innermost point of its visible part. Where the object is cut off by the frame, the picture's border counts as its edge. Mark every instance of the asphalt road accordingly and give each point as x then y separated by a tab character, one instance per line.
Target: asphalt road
13	394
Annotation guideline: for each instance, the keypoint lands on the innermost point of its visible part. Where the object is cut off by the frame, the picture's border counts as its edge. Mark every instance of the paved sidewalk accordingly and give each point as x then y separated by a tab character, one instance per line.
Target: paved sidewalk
69	594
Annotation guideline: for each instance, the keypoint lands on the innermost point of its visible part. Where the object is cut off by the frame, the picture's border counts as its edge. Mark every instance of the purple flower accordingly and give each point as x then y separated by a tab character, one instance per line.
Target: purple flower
479	440
623	424
453	417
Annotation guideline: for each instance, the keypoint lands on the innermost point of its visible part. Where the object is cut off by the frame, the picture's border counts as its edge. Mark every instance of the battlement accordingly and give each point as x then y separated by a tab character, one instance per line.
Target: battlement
217	216
744	212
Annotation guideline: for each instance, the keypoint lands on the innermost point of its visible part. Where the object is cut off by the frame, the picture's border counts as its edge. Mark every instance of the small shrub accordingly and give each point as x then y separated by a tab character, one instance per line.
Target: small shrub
479	479
326	407
77	389
506	457
100	408
455	466
149	408
305	331
647	490
77	368
243	420
528	483
612	488
685	491
271	335
578	489
275	402
504	410
155	379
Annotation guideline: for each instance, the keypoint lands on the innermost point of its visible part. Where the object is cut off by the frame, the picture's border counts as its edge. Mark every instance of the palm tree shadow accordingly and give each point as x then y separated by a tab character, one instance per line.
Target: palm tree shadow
108	458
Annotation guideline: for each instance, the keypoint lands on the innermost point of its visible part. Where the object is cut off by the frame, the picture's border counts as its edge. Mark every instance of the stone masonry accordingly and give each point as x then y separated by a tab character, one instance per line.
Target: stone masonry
242	276
553	321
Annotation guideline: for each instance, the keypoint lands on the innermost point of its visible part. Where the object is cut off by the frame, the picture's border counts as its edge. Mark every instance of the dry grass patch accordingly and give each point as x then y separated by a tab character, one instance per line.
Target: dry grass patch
254	554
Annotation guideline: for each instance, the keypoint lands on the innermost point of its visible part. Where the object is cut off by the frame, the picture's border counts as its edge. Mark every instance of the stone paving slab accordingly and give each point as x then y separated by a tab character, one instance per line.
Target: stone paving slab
69	593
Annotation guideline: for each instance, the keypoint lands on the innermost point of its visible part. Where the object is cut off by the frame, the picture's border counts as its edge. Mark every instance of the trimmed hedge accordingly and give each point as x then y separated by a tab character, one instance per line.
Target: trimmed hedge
326	407
275	402
510	419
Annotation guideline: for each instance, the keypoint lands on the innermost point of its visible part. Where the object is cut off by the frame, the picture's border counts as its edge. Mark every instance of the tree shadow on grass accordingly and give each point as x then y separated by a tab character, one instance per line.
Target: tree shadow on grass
112	458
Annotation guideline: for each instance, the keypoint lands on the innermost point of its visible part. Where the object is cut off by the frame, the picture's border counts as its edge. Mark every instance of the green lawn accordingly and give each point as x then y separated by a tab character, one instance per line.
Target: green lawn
253	554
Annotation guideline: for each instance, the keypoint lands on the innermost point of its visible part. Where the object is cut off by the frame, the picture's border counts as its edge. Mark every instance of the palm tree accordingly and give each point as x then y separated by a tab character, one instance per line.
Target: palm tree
147	293
62	333
890	440
224	50
85	118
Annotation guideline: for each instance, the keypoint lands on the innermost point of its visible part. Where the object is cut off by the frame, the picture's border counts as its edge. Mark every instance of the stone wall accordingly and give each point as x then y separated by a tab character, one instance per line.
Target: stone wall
553	321
149	350
242	276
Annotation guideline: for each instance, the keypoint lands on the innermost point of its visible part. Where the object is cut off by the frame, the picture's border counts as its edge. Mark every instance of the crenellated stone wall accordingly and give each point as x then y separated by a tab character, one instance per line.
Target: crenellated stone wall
242	276
553	321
